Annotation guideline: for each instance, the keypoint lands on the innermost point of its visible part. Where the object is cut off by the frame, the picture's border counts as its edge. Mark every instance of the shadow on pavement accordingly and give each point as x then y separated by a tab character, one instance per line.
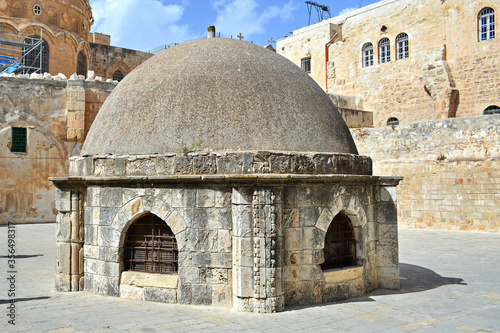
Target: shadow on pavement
6	301
23	256
413	279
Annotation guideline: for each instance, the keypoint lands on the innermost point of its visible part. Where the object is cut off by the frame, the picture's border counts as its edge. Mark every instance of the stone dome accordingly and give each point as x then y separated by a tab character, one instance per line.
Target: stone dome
230	95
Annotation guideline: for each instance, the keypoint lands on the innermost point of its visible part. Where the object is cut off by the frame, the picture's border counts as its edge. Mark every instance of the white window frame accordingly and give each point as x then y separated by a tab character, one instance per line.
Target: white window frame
367	52
402	46
305	64
384	50
486	24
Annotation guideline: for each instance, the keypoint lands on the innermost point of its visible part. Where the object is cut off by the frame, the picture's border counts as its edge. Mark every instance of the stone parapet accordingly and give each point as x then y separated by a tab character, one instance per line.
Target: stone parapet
227	163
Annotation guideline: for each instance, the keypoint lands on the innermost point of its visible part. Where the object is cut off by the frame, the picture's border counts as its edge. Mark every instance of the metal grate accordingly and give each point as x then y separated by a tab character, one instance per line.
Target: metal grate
340	245
118	75
150	246
81	65
19	140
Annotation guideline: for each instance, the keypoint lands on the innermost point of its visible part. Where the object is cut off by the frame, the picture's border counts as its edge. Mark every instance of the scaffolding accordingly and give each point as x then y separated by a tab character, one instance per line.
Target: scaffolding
20	54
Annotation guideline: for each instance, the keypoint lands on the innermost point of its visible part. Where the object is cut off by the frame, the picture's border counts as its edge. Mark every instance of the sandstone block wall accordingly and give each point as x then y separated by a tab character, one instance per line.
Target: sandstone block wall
55	115
450	169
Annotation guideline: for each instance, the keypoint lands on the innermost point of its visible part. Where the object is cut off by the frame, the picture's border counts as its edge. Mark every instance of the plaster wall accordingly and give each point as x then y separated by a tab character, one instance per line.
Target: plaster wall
450	169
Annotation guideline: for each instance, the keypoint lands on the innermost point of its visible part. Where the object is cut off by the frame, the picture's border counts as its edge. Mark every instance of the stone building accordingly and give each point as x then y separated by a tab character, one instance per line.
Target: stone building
407	60
270	203
68	45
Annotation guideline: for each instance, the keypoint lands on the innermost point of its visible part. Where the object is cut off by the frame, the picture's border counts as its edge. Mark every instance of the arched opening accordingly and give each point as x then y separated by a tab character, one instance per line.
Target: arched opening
393	121
118	75
367	54
402	46
486	24
384	50
52	17
75	25
81	67
35	58
340	243
17	10
492	109
150	246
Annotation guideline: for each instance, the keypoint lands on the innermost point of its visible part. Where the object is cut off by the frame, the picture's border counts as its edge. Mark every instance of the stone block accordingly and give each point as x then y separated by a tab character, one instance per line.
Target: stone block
389	278
243	281
314	238
242	220
388	234
221	295
188	274
220	276
183	165
294	238
94	196
222	198
108	236
63	282
142	279
230	164
223	219
388	194
90	234
111	197
63	227
113	286
224	241
109	253
221	260
90	265
387	213
160	295
106	216
242	196
205	164
281	164
131	292
63	258
201	294
91	251
302	164
185	294
202	260
308	216
184	197
387	256
132	193
140	167
112	269
343	275
164	165
100	284
205	198
242	251
63	201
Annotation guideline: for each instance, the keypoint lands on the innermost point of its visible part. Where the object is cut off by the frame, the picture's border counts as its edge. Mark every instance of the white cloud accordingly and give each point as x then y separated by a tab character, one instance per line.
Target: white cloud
346	10
247	16
140	24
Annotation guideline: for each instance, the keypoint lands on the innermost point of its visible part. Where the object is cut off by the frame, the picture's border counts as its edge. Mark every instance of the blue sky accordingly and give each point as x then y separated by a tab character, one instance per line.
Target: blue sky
146	24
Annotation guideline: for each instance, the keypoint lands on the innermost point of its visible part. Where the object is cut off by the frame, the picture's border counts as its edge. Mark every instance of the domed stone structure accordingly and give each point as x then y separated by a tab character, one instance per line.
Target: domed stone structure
229	94
273	206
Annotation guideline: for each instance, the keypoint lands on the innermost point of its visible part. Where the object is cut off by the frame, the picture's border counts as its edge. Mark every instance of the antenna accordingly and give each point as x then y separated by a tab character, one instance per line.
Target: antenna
320	10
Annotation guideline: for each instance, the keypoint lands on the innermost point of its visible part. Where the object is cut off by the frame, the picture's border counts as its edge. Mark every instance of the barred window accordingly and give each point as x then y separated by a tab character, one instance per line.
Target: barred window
150	246
367	55
384	50
305	64
19	142
118	75
340	244
492	109
486	24
402	46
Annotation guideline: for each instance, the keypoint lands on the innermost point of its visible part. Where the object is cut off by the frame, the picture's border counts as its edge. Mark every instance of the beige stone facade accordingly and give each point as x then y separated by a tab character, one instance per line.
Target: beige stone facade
449	71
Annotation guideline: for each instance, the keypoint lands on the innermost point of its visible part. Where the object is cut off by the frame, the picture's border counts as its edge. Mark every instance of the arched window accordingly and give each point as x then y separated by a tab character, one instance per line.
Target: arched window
402	46
35	57
486	24
75	25
492	109
392	121
340	244
367	55
384	50
17	10
118	75
81	67
150	246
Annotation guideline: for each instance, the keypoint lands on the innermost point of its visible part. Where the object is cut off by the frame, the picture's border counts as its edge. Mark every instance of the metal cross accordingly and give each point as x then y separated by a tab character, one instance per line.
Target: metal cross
271	41
240	36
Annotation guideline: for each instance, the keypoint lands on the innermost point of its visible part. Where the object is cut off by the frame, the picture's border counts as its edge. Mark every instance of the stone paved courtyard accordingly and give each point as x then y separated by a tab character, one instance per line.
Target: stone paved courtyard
450	283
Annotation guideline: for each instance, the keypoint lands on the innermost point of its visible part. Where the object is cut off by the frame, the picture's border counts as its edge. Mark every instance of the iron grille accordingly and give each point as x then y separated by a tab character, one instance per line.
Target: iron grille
118	75
150	246
340	244
19	140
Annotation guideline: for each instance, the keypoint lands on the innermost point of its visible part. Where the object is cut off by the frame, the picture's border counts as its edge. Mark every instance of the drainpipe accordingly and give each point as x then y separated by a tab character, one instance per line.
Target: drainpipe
326	58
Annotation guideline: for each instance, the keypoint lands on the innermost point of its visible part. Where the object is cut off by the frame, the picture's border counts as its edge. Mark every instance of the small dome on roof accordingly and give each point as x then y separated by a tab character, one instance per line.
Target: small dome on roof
230	95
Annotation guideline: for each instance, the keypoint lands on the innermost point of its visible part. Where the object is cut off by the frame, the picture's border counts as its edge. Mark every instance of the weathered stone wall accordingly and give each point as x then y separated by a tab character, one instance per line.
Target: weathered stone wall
106	59
55	115
450	169
448	73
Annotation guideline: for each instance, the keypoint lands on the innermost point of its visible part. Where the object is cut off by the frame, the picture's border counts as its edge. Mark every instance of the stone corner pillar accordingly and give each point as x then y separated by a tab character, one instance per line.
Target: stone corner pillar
386	215
257	239
69	240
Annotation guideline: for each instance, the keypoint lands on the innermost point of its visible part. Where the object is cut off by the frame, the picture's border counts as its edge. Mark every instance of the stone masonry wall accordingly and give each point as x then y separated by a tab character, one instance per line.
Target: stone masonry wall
55	113
451	171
